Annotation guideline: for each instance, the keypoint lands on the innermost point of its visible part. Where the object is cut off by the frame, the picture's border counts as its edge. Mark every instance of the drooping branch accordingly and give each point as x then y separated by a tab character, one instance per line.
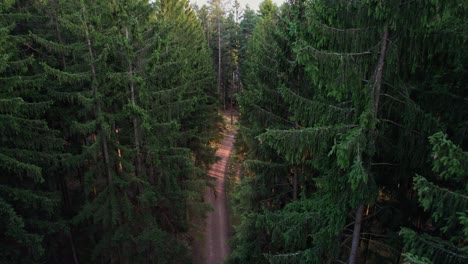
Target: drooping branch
345	29
340	54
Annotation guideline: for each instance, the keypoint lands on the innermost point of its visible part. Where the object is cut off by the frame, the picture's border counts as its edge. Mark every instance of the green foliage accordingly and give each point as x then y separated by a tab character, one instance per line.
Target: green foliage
447	207
106	121
267	9
291	143
435	198
415	259
344	94
426	248
30	149
453	162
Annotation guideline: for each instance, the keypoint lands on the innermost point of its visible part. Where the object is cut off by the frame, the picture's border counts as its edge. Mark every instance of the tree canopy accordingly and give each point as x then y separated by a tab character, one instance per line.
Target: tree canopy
107	114
335	121
352	130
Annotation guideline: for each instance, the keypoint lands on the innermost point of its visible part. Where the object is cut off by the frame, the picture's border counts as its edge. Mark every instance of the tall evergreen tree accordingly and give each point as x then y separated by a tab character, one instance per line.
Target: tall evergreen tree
29	149
269	183
217	11
358	126
136	131
246	27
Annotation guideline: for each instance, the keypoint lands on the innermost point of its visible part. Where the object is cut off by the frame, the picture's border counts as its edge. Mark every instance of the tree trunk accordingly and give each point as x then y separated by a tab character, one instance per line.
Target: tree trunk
219	62
82	180
295	184
232	110
73	248
356	234
136	132
367	225
379	70
65	194
232	94
376	96
105	148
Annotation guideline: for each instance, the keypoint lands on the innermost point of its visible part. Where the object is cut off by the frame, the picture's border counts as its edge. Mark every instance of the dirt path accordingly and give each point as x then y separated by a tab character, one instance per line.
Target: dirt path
214	248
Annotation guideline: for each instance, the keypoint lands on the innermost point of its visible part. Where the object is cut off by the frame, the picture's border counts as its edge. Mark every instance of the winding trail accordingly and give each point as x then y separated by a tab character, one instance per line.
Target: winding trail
214	249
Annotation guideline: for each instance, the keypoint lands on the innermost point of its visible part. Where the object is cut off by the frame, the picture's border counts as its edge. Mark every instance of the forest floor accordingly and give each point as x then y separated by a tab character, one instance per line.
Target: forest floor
213	247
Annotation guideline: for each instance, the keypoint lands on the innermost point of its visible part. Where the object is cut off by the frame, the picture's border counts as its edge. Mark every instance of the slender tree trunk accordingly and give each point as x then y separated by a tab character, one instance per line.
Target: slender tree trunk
81	177
356	234
105	148
65	194
106	157
399	256
136	132
232	93
73	248
295	184
219	62
379	70
367	225
376	96
232	110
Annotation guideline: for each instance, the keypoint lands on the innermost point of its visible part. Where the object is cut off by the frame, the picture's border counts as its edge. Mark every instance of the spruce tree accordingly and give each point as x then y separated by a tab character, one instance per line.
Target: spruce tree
268	183
130	87
359	124
29	149
246	27
114	133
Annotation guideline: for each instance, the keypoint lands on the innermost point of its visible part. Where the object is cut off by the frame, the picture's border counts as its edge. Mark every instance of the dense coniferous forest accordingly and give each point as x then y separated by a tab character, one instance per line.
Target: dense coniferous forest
353	134
107	112
352	142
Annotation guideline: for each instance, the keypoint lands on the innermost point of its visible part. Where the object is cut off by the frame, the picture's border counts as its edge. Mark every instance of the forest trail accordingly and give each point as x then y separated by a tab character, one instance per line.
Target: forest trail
216	232
214	249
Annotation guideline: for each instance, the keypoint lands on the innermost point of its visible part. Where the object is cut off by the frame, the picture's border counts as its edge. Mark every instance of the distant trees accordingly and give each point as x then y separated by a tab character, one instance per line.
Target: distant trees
221	21
107	110
334	124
